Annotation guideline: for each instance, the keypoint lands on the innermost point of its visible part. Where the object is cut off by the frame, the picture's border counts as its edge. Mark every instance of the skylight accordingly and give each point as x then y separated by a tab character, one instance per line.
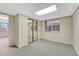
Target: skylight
46	10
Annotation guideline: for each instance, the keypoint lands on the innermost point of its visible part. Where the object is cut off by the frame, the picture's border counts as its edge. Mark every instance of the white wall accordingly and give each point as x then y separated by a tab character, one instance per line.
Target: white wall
16	29
76	31
21	30
11	30
65	34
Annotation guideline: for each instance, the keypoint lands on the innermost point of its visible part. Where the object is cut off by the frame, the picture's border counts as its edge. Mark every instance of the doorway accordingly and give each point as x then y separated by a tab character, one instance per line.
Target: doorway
32	31
3	30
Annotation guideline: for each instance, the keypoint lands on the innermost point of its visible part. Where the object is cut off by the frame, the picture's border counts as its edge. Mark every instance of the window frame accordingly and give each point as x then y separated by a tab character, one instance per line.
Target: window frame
52	26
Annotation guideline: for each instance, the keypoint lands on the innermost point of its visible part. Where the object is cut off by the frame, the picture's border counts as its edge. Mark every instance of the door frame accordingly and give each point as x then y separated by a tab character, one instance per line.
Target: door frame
33	30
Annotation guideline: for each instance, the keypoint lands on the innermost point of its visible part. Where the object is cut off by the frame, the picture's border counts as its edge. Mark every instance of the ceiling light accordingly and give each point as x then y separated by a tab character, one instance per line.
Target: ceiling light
46	10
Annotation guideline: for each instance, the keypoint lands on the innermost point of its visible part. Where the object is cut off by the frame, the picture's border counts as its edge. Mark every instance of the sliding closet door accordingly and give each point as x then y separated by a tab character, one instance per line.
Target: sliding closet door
30	32
35	31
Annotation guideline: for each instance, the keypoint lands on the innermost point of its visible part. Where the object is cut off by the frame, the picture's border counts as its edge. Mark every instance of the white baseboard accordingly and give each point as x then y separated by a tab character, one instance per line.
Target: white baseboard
76	50
22	45
57	42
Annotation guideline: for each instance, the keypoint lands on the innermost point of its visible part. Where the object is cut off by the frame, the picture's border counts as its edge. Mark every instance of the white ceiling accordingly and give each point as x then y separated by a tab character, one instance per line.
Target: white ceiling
29	9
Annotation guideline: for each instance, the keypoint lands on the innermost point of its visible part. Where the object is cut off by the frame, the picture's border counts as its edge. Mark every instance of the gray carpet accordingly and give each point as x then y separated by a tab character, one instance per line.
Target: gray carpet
39	48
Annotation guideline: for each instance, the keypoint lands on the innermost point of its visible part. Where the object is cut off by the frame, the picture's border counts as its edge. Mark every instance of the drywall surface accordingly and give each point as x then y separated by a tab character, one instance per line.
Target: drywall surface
21	30
11	30
76	31
63	36
16	29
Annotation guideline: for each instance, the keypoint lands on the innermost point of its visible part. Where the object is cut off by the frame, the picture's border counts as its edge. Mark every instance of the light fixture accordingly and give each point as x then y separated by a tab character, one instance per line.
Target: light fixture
46	10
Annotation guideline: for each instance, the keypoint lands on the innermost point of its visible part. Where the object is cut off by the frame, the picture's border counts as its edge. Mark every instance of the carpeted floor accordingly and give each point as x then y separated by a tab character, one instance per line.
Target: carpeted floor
37	48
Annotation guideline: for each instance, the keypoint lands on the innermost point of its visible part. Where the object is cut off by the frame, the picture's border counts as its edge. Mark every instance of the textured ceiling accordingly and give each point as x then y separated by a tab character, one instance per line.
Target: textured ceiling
29	9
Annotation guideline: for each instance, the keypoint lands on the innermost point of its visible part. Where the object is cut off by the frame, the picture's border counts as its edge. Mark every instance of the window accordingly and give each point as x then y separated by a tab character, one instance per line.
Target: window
52	25
3	25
